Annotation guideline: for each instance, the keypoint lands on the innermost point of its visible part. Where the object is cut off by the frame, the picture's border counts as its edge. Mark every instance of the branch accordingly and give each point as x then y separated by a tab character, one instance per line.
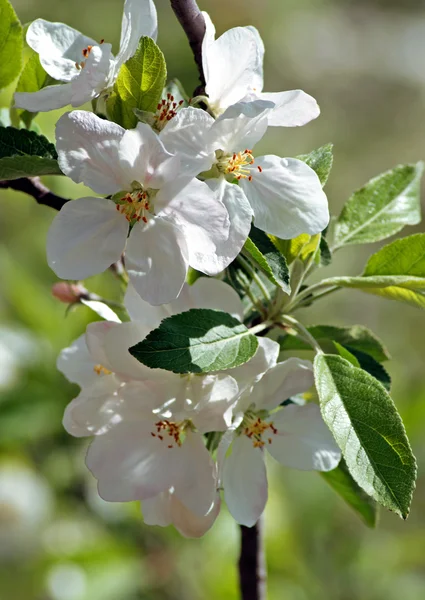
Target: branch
193	23
252	567
33	187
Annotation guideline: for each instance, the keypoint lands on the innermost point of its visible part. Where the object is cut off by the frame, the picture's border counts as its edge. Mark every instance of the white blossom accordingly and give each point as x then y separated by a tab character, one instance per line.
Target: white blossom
87	68
233	68
172	220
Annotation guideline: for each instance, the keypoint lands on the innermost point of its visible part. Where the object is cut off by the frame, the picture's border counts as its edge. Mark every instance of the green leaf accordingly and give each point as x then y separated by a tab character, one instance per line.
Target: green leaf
342	351
139	84
320	161
401	257
32	79
372	366
382	207
341	481
325	252
368	429
260	249
354	338
25	153
197	341
11	44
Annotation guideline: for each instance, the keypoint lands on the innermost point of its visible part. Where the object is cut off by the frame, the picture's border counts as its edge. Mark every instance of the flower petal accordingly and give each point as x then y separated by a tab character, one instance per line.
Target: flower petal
49	98
213	396
303	441
249	373
85	238
286	379
59	47
241	126
95	342
245	482
116	343
157	510
94	78
287	197
292	109
76	363
203	219
88	151
139	19
204	293
143	158
232	64
194	481
157	260
188	523
101	309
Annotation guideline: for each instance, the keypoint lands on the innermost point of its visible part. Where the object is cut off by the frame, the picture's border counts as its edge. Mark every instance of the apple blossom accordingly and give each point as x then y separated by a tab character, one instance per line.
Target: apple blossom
174	220
233	68
87	67
284	195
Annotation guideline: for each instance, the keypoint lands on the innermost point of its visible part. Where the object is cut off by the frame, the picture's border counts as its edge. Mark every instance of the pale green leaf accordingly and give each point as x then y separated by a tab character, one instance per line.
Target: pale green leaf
382	207
341	481
197	341
11	44
32	79
342	351
263	252
139	84
368	429
320	161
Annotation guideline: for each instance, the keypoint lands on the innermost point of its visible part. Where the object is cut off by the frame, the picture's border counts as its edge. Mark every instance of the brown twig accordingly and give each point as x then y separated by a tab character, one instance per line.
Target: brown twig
193	23
33	187
252	567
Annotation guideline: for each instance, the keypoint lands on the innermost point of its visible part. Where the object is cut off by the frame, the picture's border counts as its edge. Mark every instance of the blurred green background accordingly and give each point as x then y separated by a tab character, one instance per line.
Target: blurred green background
364	62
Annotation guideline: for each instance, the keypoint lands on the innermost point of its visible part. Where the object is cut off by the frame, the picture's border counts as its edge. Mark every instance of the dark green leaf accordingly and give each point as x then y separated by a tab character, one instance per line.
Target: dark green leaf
372	366
11	44
320	161
325	252
382	207
260	249
139	84
368	429
25	153
354	338
341	481
197	341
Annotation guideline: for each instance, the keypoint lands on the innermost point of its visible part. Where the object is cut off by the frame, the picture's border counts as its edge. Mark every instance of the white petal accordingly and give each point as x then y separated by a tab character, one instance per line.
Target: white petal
194	481
49	98
116	343
101	309
233	65
157	510
187	135
59	47
76	363
286	379
287	197
292	109
241	126
188	523
131	464
303	440
265	358
139	19
203	219
157	260
207	42
94	78
95	410
213	396
204	293
95	342
88	151
240	217
85	238
245	482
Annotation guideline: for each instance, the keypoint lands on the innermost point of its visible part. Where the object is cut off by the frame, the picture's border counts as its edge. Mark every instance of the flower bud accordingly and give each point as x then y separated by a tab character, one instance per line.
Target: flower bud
69	293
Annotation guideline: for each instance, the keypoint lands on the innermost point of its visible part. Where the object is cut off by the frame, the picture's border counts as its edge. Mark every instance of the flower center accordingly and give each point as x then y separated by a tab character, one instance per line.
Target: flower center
169	432
135	206
99	369
237	164
85	52
255	428
165	111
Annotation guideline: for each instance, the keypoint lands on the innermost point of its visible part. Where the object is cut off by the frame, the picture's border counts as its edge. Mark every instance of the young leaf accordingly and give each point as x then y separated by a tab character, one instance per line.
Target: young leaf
320	161
259	248
382	207
32	79
368	429
25	153
11	44
139	84
354	338
290	249
402	257
197	341
342	351
341	481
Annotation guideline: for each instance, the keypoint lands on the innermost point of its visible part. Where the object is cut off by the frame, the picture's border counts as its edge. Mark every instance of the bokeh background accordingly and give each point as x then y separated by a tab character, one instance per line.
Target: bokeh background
364	60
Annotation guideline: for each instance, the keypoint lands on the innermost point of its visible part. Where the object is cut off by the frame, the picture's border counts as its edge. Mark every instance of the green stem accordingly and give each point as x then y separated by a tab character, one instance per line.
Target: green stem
303	332
254	276
308	292
261	327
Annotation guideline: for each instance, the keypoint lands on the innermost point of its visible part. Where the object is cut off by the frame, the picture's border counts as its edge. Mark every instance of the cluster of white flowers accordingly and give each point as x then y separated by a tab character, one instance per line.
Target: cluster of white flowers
181	193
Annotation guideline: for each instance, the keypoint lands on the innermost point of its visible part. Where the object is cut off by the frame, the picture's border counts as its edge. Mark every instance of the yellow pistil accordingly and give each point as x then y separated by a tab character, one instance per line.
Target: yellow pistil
170	433
135	206
99	369
165	111
236	164
255	428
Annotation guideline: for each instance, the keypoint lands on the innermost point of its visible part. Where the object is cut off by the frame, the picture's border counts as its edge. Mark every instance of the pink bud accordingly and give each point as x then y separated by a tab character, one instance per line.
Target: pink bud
69	293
